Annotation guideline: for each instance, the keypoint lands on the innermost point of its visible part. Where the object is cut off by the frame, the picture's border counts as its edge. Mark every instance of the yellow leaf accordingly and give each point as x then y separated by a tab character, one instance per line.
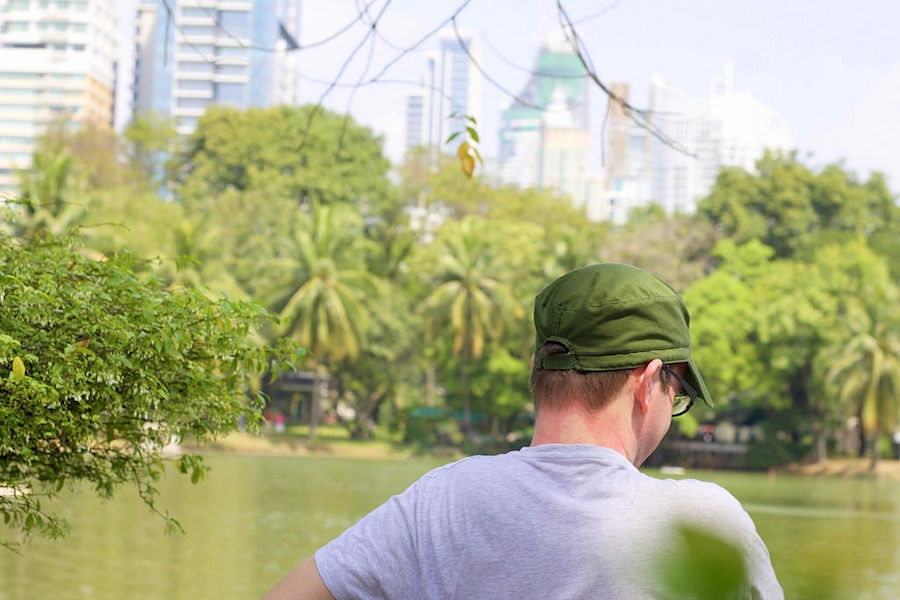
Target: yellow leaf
463	151
468	165
18	369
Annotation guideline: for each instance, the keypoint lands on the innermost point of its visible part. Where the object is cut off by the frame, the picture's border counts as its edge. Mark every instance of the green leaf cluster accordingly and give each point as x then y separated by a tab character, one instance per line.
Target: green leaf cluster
105	369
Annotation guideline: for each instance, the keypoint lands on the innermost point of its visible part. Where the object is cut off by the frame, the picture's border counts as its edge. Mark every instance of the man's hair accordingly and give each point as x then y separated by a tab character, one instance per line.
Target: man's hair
556	388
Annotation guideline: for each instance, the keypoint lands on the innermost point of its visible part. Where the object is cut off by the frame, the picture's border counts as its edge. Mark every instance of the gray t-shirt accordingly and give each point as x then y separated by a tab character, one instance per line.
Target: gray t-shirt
549	521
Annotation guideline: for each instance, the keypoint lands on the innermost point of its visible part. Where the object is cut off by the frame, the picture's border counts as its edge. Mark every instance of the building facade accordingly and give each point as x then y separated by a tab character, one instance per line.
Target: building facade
57	63
195	53
544	139
677	163
451	89
628	160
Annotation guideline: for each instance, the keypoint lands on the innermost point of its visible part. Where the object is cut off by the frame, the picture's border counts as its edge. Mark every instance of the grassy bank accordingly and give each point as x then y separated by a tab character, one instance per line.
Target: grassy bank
330	440
334	440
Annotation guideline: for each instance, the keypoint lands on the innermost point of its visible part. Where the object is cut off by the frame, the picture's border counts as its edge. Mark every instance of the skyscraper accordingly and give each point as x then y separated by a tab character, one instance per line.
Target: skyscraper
194	53
57	62
451	85
729	128
628	160
544	137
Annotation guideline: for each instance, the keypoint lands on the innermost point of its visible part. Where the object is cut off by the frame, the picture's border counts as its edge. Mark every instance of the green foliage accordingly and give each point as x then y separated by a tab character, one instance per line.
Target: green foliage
305	154
324	291
149	138
784	269
105	369
45	197
699	565
471	297
788	207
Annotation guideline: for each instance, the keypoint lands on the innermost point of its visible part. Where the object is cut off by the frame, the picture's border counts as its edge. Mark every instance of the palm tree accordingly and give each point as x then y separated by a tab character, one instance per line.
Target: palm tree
323	296
471	272
45	193
201	260
865	371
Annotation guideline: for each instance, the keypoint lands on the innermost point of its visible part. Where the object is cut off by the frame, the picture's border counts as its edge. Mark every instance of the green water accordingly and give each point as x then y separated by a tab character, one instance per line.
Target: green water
254	518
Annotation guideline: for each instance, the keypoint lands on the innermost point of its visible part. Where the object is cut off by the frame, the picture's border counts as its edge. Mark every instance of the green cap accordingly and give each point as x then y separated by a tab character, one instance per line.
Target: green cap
610	317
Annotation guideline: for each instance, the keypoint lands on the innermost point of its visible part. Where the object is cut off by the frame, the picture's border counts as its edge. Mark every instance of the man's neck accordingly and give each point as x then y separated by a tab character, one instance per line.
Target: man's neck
577	425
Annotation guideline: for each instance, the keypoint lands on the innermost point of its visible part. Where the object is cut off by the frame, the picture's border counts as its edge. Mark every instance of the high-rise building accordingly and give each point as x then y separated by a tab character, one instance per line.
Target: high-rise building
451	85
194	53
628	160
692	138
544	137
57	62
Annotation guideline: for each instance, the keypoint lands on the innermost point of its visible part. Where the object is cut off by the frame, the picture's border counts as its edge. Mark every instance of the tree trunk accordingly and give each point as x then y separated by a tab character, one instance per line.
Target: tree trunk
821	447
464	380
429	385
863	447
314	406
873	443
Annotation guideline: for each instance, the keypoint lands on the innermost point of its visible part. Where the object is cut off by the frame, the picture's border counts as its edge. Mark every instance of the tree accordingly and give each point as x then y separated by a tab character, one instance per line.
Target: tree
202	262
862	366
469	268
324	290
45	195
307	154
790	208
150	137
103	369
678	248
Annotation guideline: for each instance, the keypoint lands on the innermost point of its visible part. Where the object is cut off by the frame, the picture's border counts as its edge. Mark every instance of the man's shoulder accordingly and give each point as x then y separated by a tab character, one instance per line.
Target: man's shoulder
468	464
695	494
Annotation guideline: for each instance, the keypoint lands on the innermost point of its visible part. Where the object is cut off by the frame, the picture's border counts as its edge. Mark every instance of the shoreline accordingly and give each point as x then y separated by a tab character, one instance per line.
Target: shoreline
330	445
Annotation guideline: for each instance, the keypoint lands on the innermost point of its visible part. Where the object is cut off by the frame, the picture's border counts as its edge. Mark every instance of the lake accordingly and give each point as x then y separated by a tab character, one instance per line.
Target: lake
254	518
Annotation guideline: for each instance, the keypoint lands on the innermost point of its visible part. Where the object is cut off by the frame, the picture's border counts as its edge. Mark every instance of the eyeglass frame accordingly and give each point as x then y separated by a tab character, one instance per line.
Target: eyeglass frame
686	390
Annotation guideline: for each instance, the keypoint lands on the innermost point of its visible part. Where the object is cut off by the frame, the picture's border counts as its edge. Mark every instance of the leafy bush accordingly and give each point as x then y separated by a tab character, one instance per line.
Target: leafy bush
99	370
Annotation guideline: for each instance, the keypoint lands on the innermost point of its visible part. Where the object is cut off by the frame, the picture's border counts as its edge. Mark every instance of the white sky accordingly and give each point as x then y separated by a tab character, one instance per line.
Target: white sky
830	67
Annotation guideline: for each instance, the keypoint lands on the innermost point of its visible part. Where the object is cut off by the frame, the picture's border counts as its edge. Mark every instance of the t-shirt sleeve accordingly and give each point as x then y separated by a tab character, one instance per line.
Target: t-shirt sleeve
376	557
732	521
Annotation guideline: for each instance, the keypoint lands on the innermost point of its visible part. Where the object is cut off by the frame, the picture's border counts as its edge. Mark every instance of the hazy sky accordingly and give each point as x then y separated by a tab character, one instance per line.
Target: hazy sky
831	68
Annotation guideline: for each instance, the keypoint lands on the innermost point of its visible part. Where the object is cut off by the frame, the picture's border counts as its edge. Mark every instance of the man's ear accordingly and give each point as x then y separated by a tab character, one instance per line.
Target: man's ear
646	378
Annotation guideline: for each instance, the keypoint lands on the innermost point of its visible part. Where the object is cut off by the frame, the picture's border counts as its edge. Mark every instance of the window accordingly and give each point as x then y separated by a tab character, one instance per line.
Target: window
16	156
13	139
195	67
18	5
192	102
232	52
14	26
197	31
190	85
235	23
204	50
231	70
230	93
196	13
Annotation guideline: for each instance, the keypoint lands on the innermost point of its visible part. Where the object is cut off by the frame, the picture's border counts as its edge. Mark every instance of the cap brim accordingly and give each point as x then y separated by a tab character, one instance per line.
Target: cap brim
693	377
